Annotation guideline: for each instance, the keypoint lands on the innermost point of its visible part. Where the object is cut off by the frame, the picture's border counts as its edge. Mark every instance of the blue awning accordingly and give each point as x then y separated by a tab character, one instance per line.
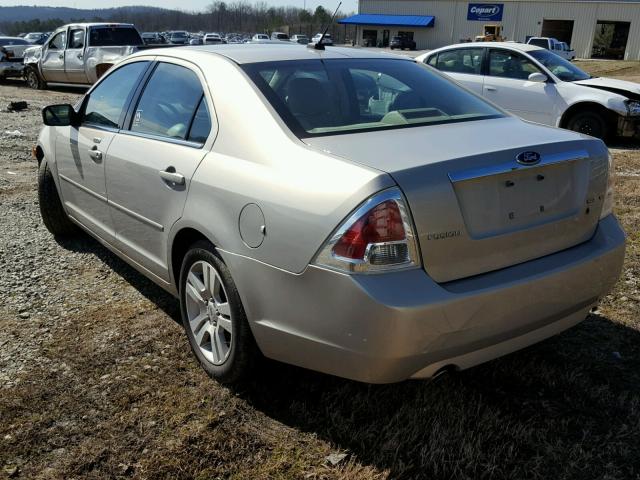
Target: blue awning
390	20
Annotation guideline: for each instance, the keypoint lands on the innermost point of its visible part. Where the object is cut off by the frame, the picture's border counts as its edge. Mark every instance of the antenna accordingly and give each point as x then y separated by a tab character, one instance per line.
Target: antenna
319	45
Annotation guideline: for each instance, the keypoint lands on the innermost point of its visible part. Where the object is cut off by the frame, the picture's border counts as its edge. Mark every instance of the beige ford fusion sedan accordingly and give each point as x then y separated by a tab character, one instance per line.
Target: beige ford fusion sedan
345	211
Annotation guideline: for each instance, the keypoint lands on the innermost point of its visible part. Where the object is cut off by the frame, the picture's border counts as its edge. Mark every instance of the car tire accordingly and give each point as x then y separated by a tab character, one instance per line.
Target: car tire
589	122
213	317
53	215
34	80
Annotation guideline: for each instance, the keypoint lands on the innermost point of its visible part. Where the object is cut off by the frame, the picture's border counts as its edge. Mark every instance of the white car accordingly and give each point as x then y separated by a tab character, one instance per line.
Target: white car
15	45
300	38
566	51
553	44
260	37
327	40
542	87
212	39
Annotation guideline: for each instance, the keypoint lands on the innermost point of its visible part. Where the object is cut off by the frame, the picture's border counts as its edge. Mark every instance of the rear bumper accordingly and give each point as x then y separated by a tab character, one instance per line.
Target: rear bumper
390	327
11	69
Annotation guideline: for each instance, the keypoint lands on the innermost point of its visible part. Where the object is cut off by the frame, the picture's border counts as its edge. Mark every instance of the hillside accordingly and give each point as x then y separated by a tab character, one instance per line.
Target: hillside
26	13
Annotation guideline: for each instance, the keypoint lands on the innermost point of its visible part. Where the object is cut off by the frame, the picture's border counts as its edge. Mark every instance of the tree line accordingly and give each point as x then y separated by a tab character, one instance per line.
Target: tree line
236	17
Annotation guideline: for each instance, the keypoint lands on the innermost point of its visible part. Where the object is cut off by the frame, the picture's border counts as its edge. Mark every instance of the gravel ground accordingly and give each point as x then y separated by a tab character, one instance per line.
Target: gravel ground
97	381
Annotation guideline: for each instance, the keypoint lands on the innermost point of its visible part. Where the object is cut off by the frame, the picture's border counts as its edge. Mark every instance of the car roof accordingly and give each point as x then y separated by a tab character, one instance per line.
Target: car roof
523	47
268	52
98	24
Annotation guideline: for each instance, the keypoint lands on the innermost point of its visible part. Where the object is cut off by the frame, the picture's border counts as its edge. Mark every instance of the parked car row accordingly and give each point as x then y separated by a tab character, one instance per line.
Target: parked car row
351	212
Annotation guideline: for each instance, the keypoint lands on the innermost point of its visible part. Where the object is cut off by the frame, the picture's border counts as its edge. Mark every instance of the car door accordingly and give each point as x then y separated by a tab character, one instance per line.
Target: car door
151	162
464	65
74	66
507	84
82	151
53	58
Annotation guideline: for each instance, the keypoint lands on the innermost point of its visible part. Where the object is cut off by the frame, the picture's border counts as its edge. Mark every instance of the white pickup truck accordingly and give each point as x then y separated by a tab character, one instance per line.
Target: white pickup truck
555	45
79	53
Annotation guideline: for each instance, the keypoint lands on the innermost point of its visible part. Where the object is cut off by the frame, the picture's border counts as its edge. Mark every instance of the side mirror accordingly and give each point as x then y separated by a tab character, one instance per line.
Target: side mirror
537	77
59	115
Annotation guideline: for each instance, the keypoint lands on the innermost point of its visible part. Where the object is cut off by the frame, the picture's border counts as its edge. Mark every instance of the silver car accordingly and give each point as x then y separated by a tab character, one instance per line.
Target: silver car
341	210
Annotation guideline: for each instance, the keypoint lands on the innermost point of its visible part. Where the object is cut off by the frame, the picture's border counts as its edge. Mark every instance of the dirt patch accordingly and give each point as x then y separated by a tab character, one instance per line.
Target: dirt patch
97	381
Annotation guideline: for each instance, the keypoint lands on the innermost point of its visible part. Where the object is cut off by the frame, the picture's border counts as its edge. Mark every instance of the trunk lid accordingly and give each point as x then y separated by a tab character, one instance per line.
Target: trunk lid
474	207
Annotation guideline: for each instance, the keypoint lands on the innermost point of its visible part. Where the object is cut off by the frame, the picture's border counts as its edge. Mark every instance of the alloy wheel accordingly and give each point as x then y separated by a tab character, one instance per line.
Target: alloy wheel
209	312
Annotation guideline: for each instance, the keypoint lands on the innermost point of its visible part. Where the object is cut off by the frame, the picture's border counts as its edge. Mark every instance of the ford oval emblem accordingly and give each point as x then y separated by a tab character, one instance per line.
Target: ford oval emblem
528	158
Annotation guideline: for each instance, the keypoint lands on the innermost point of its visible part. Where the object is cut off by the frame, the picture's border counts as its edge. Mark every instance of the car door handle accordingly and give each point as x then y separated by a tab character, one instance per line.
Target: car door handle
61	56
79	56
95	154
170	175
490	89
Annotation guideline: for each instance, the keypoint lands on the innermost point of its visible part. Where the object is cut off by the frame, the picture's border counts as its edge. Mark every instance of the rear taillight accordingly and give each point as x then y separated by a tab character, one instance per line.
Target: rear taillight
607	205
378	237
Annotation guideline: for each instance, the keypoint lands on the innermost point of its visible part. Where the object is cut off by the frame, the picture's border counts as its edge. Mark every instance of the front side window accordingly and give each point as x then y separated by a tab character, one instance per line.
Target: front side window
325	97
561	68
463	60
59	41
107	101
507	64
170	103
76	38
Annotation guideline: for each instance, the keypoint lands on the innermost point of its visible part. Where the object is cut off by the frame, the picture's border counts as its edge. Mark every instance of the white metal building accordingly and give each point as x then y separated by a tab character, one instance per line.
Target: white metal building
595	29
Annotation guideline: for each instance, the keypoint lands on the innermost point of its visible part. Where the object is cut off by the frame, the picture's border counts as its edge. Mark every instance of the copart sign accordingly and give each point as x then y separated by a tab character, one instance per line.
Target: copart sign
485	11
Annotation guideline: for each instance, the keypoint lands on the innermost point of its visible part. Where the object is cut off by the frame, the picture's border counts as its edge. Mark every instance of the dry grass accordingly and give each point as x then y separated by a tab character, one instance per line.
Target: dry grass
117	394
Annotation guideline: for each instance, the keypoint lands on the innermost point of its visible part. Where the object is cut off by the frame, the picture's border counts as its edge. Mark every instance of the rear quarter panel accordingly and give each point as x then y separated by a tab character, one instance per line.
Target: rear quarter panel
303	194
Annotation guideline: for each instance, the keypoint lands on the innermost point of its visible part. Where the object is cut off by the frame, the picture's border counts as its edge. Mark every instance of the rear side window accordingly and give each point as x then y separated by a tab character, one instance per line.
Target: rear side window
464	60
113	37
170	104
107	101
201	125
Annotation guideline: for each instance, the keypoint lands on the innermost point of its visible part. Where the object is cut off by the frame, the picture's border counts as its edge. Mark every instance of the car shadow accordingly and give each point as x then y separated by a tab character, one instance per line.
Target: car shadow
520	416
83	243
564	408
20	83
620	143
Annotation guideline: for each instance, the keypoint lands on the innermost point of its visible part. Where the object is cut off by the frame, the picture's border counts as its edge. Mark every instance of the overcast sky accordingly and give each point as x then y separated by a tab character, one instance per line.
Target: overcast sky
347	5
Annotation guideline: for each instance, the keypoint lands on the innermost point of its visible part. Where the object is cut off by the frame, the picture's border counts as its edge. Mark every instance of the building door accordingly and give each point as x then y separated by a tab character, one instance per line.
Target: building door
560	29
610	39
385	38
370	38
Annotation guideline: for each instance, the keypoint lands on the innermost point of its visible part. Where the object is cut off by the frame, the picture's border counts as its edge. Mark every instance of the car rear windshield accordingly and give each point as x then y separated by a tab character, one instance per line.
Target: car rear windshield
114	37
539	42
561	68
329	97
